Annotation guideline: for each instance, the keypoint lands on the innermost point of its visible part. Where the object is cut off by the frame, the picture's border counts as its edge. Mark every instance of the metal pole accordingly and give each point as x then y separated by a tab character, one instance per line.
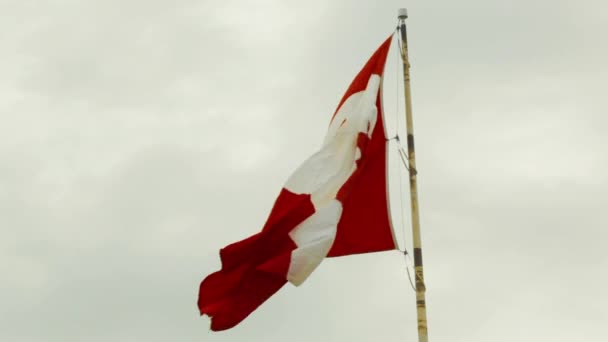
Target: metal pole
420	288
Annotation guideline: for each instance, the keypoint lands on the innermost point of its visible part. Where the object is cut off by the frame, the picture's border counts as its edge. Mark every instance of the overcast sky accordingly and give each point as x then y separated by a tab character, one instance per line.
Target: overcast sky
138	137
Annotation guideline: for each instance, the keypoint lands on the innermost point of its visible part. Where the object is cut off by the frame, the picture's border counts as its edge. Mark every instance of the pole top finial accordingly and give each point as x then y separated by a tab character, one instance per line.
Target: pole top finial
402	14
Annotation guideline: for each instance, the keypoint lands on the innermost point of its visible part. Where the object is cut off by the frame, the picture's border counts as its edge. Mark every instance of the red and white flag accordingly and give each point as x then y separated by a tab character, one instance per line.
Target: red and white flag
334	204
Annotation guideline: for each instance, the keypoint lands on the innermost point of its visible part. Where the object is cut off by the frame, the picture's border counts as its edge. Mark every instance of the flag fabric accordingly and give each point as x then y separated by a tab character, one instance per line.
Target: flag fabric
334	204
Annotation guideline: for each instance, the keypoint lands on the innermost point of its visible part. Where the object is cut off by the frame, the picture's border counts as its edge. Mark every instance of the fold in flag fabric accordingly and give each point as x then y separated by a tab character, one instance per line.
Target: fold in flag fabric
334	204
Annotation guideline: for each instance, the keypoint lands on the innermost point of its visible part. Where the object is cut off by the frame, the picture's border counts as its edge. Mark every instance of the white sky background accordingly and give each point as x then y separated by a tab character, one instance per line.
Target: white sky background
139	137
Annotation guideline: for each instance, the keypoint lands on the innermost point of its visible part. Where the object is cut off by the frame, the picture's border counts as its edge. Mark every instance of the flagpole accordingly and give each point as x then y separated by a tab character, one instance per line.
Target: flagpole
417	241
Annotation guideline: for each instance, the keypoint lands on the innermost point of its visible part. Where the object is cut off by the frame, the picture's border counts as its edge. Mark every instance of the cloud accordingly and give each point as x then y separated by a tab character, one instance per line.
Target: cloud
137	138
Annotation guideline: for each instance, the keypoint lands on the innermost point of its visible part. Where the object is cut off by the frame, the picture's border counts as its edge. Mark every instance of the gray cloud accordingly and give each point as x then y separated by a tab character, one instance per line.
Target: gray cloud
137	138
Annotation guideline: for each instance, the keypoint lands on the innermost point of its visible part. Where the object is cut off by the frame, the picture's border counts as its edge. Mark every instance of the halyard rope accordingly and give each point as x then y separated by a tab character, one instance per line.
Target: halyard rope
404	158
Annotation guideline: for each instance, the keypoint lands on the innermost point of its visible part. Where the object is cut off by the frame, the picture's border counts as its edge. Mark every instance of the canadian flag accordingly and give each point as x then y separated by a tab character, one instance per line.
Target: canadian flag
334	204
